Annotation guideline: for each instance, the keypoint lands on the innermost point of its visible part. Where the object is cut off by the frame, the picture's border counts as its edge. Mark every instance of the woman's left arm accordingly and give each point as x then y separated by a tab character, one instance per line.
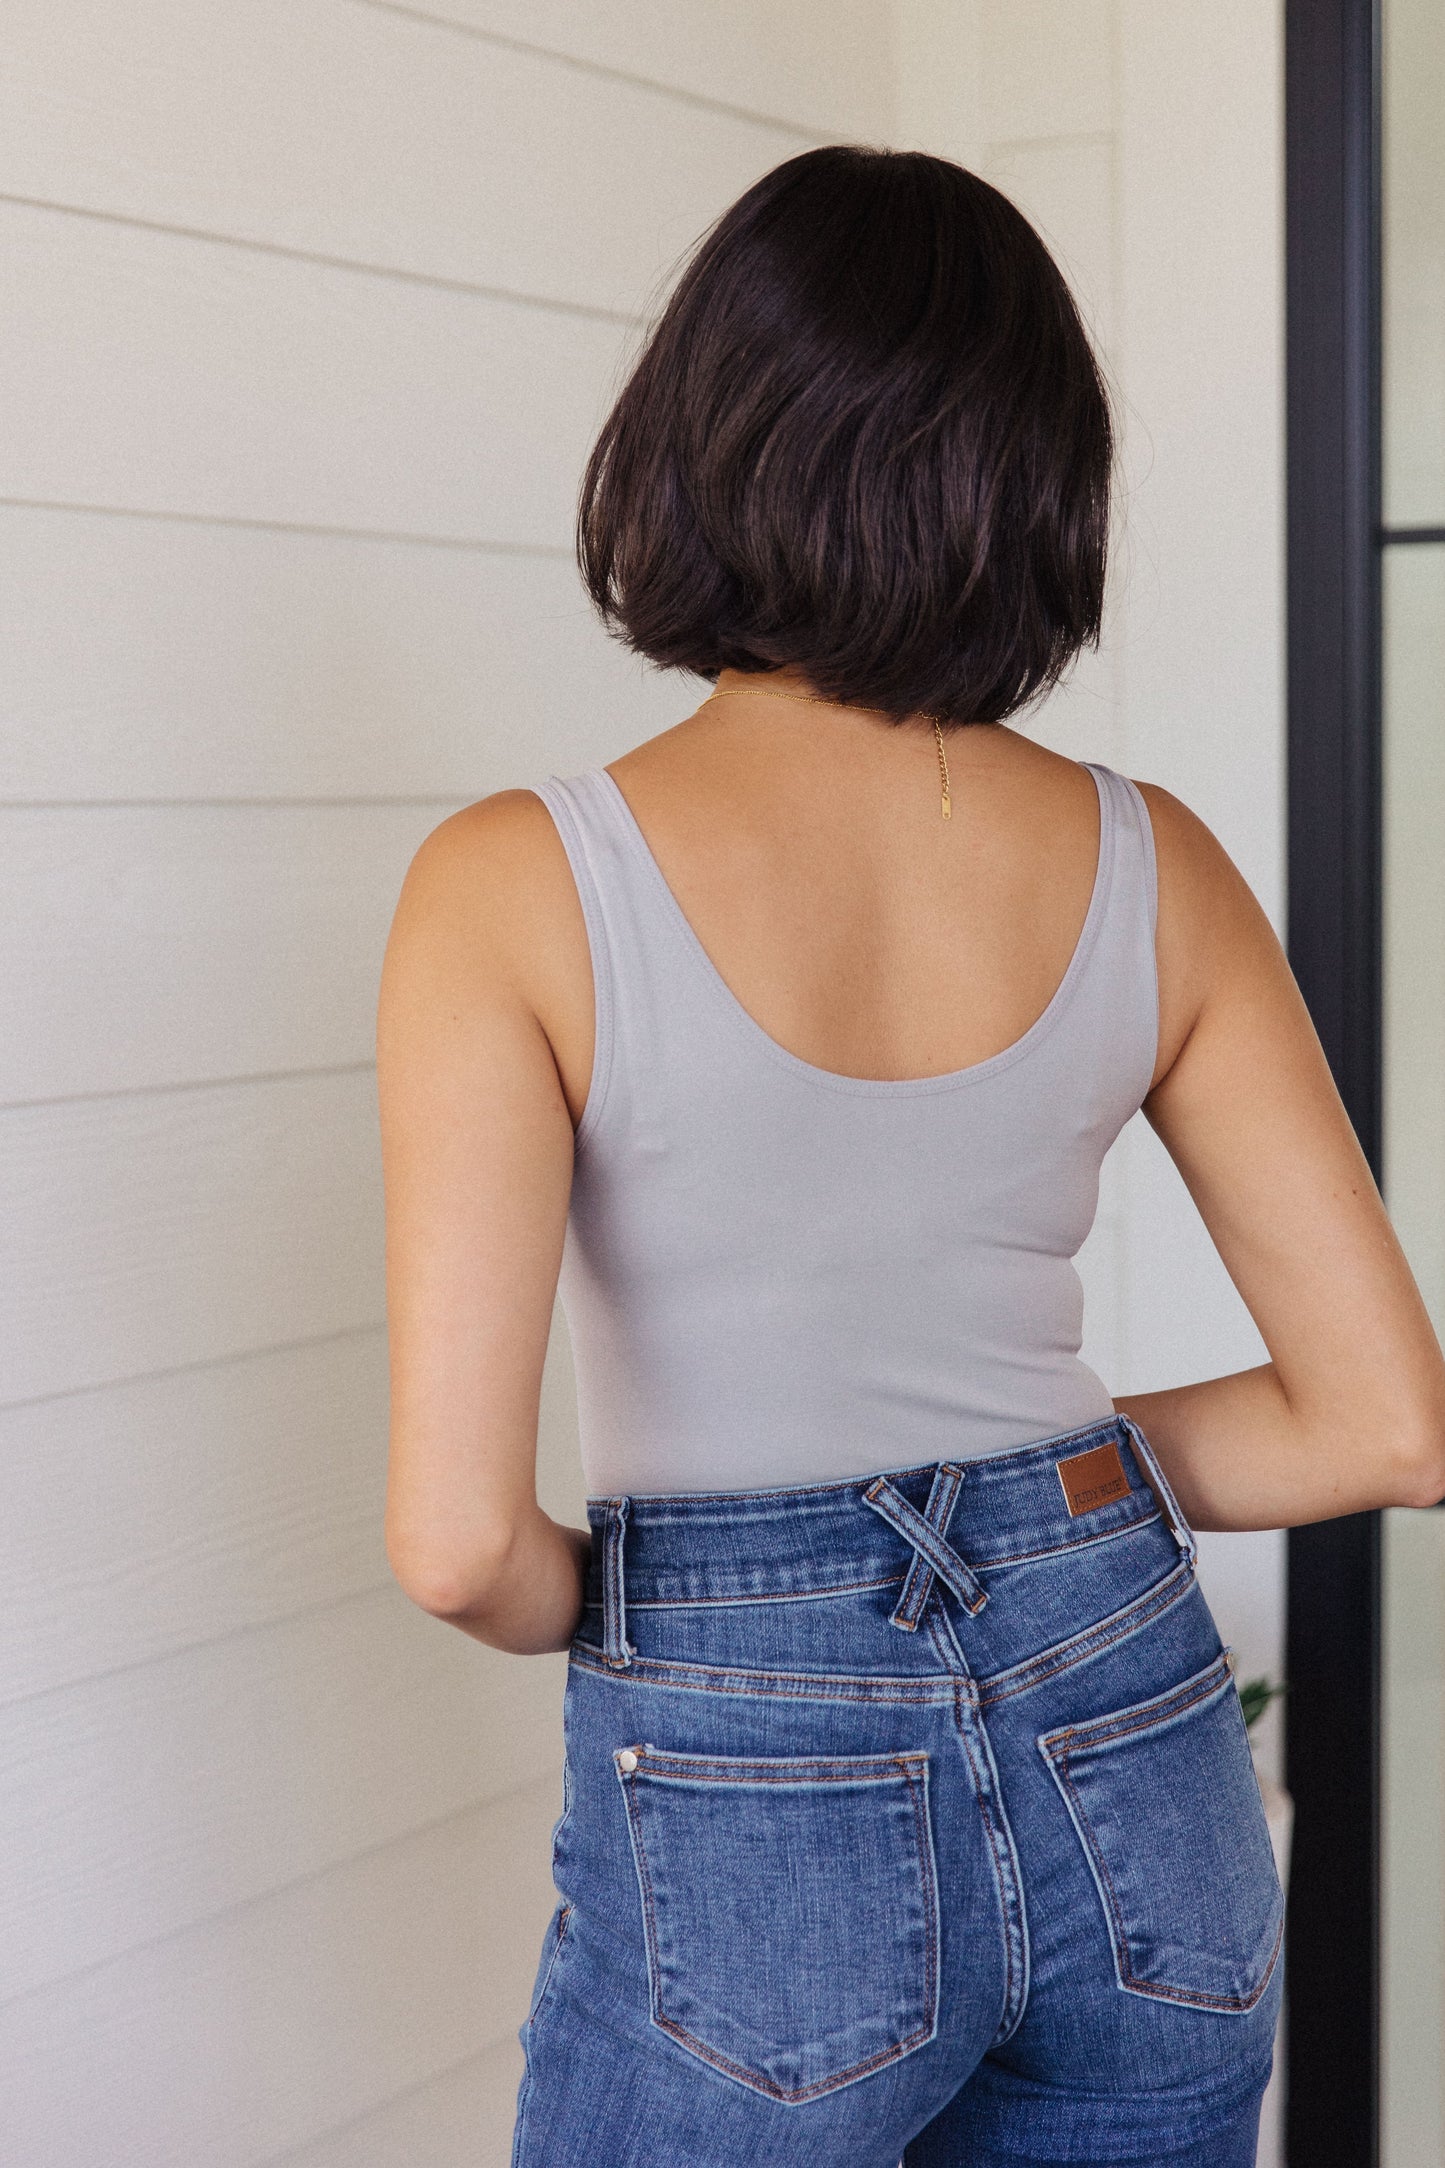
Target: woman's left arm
476	1142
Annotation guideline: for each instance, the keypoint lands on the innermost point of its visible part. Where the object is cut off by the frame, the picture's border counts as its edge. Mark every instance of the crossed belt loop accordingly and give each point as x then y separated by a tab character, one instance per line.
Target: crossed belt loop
617	1651
931	1555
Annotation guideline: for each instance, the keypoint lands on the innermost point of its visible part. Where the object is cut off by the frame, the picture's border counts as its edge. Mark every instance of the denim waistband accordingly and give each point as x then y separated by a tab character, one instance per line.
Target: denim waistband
934	1518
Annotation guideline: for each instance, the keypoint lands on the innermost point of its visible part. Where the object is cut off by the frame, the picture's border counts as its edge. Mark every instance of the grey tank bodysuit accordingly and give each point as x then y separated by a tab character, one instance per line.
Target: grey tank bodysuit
773	1274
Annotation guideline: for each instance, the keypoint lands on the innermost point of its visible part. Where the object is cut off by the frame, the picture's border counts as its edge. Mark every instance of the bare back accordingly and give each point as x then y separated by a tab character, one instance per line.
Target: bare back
861	930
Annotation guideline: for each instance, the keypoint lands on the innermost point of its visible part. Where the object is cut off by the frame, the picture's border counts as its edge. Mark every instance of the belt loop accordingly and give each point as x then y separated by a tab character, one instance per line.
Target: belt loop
942	1492
1184	1534
617	1651
932	1555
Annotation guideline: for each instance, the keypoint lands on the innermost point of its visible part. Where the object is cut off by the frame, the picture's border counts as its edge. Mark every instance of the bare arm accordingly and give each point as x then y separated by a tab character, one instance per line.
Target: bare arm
477	1161
1349	1412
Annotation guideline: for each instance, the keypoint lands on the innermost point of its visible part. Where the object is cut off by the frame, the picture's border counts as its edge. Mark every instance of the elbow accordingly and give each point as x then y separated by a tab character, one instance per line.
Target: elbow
442	1580
433	1590
1426	1486
1421	1467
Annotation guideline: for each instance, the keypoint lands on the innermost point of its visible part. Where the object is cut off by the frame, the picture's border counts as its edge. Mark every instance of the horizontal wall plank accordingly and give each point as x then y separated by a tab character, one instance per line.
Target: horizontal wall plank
483	163
230	2042
828	67
155	946
148	1516
151	1799
463	2119
161	373
168	1512
240	662
179	1227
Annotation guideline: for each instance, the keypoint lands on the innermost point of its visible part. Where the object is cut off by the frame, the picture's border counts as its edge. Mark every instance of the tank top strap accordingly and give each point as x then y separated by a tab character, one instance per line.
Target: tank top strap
1127	816
1121	969
645	985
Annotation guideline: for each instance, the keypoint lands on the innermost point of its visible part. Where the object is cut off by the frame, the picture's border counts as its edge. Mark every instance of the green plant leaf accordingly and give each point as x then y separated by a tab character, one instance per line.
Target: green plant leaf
1255	1697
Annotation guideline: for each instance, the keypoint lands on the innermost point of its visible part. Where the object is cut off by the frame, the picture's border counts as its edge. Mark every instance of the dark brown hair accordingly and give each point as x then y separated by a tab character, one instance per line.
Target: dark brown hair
868	437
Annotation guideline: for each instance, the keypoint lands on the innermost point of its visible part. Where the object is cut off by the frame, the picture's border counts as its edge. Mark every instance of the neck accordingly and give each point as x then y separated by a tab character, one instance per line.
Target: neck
788	678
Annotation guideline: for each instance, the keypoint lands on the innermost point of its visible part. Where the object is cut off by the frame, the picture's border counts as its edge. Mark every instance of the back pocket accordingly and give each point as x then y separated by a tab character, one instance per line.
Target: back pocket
1167	1806
791	1911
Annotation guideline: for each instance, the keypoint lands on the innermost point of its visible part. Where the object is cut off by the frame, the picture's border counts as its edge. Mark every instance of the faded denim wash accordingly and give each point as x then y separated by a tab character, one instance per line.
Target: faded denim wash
908	1818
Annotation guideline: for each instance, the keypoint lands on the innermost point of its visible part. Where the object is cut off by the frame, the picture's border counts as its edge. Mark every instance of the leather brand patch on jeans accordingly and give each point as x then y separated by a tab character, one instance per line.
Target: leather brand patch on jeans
1093	1479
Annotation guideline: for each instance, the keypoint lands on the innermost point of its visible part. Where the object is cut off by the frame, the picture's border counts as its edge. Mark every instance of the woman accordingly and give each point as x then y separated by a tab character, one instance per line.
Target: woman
908	1806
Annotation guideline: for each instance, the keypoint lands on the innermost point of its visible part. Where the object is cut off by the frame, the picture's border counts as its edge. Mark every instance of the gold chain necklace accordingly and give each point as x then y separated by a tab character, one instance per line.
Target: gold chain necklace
732	692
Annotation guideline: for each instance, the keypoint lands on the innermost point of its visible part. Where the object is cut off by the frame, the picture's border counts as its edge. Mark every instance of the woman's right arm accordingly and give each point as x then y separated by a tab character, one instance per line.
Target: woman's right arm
1349	1412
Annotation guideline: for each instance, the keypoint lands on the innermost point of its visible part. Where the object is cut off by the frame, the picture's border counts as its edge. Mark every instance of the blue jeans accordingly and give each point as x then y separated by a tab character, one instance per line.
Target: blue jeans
906	1819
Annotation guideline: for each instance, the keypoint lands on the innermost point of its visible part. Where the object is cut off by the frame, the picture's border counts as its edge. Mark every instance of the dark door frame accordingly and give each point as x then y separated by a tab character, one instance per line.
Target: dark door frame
1332	340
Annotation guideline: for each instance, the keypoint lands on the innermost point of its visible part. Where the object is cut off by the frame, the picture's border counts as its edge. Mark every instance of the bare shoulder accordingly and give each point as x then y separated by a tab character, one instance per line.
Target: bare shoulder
484	851
493	877
1187	848
1213	932
1200	886
488	936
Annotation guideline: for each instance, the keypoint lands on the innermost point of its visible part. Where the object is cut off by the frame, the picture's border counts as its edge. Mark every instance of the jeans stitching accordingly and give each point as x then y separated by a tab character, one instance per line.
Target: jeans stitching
1016	1904
1081	1543
1194	1998
1148	1716
1151	1716
616	1652
529	2028
739	2071
886	1580
783	1685
564	1921
826	1686
1003	1853
796	1769
1094	1641
916	1779
757	2084
1145	1454
942	1494
791	1595
983	1795
649	1919
908	1522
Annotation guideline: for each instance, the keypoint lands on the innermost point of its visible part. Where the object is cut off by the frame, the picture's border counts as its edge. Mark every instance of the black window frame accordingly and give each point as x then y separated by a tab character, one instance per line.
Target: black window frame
1334	651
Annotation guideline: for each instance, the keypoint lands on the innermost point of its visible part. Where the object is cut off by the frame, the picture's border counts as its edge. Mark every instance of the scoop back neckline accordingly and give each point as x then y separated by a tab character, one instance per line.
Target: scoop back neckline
838	1080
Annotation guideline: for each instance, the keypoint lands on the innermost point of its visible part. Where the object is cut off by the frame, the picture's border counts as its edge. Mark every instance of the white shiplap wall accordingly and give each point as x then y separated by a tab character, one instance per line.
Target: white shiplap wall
311	310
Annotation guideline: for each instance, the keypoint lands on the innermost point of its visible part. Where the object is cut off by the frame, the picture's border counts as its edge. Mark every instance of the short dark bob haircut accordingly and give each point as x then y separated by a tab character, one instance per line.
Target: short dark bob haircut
868	437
